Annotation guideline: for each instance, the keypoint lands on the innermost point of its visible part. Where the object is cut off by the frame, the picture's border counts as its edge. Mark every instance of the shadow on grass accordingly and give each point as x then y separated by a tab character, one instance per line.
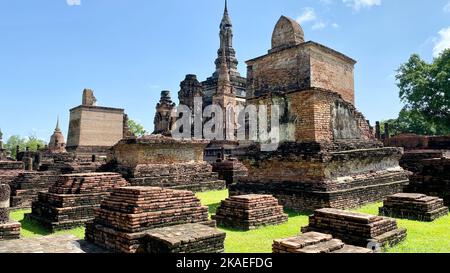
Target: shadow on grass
34	227
297	213
212	208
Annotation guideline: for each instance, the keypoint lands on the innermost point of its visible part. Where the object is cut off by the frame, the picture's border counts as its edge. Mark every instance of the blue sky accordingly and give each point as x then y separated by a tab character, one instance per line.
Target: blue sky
130	50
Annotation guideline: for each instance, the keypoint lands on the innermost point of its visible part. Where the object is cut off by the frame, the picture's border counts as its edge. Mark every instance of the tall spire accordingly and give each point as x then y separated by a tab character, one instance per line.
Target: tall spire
57	129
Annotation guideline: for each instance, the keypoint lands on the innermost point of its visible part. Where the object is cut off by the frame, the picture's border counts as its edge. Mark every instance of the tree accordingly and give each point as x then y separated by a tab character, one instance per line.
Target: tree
136	128
425	90
410	122
32	142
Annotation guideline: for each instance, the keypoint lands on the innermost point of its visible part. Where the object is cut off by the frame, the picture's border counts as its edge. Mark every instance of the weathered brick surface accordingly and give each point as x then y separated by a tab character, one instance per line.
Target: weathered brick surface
70	202
124	219
414	207
8	229
312	176
314	242
159	161
11	165
433	179
187	238
356	228
229	170
26	186
249	212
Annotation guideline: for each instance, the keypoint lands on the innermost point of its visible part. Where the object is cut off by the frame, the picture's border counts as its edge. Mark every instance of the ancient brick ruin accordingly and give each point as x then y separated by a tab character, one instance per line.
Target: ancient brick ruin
160	161
26	186
315	243
412	206
8	229
127	219
94	129
433	179
229	169
249	212
328	155
358	229
70	202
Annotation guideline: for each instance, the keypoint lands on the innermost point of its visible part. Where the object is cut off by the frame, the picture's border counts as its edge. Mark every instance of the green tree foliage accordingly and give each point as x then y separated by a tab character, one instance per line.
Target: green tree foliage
425	90
136	128
32	142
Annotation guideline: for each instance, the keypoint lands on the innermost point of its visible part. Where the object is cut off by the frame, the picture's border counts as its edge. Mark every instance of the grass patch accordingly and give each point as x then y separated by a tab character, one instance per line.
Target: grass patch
422	237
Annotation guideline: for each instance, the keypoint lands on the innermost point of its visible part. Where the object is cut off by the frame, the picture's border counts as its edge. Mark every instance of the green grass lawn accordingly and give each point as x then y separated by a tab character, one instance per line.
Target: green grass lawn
422	237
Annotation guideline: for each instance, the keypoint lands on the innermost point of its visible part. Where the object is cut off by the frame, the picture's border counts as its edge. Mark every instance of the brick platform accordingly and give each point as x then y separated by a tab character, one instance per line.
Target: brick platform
125	218
433	179
249	212
414	207
188	238
229	170
26	186
313	242
8	229
356	228
71	200
159	161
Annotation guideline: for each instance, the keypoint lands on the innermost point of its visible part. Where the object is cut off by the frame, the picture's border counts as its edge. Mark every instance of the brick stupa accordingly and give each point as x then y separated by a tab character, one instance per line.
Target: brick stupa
327	155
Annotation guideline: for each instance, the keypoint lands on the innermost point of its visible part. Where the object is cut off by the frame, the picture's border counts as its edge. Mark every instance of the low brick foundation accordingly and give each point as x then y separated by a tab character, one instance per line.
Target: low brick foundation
230	170
414	207
125	218
187	238
356	228
8	229
70	202
249	212
26	186
315	243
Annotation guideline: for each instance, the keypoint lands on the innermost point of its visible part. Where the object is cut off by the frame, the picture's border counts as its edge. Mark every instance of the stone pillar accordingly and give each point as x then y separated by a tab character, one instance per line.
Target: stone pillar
17	151
386	131
5	193
28	163
378	130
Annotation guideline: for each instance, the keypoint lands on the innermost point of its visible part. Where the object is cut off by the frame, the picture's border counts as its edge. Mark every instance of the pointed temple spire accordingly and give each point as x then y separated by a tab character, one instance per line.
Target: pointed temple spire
57	129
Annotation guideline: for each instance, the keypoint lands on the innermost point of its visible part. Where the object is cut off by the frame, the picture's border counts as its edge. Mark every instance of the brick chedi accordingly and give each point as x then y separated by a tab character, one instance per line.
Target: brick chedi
327	154
71	200
433	179
132	217
414	207
356	228
160	161
249	212
8	229
315	243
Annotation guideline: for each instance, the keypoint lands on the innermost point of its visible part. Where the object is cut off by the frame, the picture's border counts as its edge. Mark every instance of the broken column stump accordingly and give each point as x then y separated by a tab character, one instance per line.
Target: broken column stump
8	229
247	212
314	242
412	206
229	170
358	229
128	215
70	201
187	238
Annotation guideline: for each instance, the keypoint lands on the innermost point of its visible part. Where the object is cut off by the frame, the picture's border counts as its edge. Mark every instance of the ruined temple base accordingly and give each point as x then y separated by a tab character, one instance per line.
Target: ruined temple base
10	230
70	202
125	217
414	207
358	229
26	186
188	238
230	170
354	192
315	243
248	212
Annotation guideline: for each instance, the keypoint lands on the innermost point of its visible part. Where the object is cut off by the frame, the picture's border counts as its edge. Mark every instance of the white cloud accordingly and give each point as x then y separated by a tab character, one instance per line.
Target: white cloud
358	4
447	7
307	15
73	2
443	42
319	25
335	25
